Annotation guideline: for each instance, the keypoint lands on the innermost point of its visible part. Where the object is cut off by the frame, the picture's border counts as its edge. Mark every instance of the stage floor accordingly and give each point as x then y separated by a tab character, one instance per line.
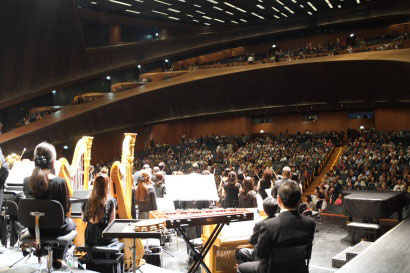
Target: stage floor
331	239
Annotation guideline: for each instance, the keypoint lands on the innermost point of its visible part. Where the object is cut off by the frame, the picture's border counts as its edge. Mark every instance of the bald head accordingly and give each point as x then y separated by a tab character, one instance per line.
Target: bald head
286	172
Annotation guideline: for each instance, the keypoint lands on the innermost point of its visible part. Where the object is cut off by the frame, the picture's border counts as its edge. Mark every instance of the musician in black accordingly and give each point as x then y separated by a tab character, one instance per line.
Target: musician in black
231	189
286	230
270	206
43	184
145	196
4	173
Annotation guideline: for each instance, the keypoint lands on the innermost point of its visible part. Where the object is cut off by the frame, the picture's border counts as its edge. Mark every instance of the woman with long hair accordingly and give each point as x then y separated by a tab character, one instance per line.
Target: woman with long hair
247	196
265	183
44	184
145	196
231	189
98	212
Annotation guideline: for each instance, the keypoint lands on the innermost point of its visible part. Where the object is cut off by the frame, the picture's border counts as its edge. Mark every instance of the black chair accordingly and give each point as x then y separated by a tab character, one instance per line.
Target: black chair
316	215
293	259
302	208
42	214
7	217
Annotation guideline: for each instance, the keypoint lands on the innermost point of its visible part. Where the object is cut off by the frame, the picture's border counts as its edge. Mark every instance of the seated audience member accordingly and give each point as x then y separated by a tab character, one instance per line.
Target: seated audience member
308	202
247	196
231	189
98	212
265	183
145	196
243	255
339	200
159	185
286	230
43	184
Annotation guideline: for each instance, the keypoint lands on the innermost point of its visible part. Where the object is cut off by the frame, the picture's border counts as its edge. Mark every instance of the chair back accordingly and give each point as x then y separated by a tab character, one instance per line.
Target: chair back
292	256
319	205
53	213
11	207
302	208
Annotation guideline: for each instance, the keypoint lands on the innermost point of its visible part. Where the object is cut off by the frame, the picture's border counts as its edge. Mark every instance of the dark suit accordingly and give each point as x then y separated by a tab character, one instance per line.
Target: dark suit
288	229
244	255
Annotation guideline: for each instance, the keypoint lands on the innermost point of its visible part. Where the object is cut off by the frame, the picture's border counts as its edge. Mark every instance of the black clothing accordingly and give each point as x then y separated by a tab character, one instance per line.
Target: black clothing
277	185
288	229
231	195
93	232
148	205
263	185
57	190
248	201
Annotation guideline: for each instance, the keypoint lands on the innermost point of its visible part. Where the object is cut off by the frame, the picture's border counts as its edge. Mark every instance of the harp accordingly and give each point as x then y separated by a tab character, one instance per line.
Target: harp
77	176
121	182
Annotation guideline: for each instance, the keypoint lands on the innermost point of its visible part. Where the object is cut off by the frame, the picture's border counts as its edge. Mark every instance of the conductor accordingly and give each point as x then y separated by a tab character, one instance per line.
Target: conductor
286	230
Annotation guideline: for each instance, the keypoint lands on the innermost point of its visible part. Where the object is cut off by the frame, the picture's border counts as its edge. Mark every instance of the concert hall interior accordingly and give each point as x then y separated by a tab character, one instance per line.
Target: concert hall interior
205	136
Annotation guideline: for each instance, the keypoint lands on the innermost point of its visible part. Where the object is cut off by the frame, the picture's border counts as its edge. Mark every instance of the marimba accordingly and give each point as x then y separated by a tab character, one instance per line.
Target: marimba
194	217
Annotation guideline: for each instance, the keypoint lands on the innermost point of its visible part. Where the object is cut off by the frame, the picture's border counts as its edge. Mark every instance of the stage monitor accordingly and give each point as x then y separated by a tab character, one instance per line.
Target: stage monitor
191	187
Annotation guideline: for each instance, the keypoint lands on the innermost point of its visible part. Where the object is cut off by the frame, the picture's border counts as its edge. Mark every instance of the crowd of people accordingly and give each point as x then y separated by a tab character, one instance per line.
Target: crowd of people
29	118
372	160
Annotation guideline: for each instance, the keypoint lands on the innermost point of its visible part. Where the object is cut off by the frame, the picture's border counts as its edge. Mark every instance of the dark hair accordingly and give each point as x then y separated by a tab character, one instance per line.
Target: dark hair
97	199
161	165
44	157
270	206
309	198
240	176
267	175
290	194
232	178
247	186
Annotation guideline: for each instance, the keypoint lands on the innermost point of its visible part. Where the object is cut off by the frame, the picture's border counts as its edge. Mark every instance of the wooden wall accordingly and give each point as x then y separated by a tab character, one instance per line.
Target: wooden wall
392	119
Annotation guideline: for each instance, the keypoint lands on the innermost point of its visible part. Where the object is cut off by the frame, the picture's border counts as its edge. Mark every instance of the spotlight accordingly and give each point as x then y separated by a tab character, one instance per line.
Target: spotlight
65	147
108	78
54	91
361	127
156	34
166	60
262	131
139	66
351	35
273	46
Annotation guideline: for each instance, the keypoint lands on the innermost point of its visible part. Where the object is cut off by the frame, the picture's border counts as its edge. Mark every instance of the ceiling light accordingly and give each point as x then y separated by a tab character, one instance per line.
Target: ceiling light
166	60
162	2
195	20
234	22
173	18
312	6
309	13
208	24
339	6
280	2
139	1
108	78
288	9
235	7
228	12
162	13
94	3
283	14
198	6
174	10
243	20
302	6
294	1
207	17
132	11
218	8
120	3
213	2
273	46
261	7
257	15
351	35
275	9
216	19
198	11
139	66
189	15
182	1
329	4
54	91
358	1
277	17
260	1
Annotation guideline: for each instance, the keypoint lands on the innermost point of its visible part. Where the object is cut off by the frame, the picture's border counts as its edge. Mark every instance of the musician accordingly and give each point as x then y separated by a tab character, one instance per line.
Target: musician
288	229
247	196
98	212
43	184
231	189
4	173
159	185
286	172
243	255
265	183
145	196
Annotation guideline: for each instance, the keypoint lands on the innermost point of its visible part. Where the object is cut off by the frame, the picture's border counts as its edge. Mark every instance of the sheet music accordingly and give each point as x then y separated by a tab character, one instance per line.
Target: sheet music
192	187
20	170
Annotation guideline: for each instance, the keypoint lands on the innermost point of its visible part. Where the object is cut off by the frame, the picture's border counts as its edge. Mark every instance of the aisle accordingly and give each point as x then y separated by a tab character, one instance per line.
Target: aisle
334	158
